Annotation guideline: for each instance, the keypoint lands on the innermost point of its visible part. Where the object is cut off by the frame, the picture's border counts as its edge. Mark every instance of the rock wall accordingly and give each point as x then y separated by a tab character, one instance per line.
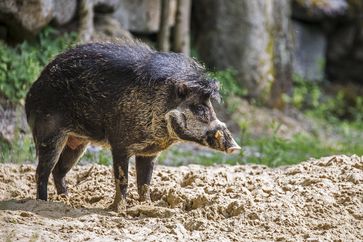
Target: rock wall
252	37
22	19
145	15
142	16
329	40
326	42
309	52
247	36
345	51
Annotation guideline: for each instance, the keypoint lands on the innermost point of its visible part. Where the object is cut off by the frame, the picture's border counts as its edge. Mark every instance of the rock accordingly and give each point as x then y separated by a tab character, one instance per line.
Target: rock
316	11
24	19
106	6
3	32
142	16
240	35
309	52
328	31
12	123
64	11
139	16
345	46
281	48
345	53
107	26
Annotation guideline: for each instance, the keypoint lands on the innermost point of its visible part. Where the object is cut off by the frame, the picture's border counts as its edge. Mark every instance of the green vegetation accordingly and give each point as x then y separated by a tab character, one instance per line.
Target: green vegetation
22	150
21	65
276	151
337	106
99	156
229	86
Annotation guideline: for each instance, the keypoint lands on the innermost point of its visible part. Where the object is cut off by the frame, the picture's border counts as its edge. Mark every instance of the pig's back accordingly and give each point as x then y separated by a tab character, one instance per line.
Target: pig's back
87	75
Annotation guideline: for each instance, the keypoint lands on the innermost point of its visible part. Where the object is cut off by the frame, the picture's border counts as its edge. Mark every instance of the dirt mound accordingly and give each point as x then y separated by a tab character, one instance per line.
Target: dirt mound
315	200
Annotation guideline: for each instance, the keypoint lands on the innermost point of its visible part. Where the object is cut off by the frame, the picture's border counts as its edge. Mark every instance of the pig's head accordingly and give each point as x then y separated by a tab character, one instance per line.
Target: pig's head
190	115
194	118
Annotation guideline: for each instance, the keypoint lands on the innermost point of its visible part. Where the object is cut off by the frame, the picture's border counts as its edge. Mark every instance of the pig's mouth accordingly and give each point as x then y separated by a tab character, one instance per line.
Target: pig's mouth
234	150
222	140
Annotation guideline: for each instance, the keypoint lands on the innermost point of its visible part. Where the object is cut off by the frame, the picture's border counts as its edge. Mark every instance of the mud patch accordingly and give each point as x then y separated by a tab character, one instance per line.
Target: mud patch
315	200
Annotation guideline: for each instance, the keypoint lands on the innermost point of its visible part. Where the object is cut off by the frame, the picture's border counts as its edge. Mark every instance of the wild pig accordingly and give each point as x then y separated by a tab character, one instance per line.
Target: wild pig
128	97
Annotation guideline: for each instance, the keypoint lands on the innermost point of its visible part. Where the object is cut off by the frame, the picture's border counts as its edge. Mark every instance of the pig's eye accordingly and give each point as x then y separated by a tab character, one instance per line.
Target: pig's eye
201	111
182	91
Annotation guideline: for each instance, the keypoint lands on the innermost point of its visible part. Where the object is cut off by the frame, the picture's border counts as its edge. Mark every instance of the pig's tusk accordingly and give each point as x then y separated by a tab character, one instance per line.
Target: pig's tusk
218	135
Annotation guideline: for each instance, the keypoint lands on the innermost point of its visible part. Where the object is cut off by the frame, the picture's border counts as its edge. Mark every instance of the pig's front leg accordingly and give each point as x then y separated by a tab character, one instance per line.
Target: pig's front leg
120	170
144	170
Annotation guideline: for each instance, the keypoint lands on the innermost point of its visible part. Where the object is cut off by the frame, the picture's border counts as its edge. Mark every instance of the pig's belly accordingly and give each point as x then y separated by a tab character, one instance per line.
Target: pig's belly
75	141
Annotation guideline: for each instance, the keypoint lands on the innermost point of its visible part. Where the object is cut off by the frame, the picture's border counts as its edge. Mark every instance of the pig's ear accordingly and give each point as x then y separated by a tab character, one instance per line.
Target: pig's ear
182	91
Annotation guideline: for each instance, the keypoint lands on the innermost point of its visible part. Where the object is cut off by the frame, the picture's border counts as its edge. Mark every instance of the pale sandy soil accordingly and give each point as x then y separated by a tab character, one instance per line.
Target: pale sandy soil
316	200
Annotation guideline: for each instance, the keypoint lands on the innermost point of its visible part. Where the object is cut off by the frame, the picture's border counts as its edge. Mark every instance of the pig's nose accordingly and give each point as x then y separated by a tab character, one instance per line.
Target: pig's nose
218	125
234	150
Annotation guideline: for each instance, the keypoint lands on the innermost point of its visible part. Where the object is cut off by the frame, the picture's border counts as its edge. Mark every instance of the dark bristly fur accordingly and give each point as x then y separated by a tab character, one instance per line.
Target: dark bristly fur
129	97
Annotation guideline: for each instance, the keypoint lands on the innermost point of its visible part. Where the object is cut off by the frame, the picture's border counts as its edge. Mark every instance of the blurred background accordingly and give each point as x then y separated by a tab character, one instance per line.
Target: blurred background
291	70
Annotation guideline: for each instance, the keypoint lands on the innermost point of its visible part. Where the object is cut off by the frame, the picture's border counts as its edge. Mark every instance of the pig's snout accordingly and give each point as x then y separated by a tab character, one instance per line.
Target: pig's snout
215	135
220	138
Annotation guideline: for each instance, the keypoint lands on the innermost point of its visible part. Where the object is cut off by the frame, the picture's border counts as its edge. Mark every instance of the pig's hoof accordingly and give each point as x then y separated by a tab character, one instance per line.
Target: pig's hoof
144	198
118	207
113	207
144	193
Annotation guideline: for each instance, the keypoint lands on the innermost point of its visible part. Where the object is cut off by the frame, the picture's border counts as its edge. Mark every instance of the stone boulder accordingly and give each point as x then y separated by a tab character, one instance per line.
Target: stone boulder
109	28
318	10
106	6
345	46
345	53
142	16
25	18
252	37
309	51
64	11
330	32
139	16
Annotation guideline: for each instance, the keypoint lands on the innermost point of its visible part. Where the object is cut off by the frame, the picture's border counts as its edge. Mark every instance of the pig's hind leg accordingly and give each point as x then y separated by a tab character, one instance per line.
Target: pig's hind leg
71	153
49	150
144	170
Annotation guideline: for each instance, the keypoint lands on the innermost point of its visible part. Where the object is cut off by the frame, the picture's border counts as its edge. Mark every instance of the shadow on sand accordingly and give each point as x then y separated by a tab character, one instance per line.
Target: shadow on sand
51	209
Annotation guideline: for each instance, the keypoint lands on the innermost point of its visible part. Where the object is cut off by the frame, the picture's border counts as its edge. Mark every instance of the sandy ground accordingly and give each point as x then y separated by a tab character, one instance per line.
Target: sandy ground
316	200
